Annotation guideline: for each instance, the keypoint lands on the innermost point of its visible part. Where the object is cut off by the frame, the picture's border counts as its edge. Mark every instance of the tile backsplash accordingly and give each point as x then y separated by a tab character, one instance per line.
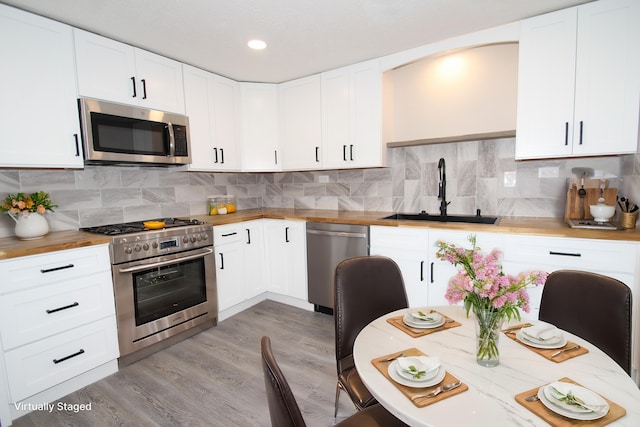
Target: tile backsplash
480	175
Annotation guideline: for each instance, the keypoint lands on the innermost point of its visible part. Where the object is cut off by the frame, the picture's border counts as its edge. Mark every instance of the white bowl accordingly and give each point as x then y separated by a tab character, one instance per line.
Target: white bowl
602	212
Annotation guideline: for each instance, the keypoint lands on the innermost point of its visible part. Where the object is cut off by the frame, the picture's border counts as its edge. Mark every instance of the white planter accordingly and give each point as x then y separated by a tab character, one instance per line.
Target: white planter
31	227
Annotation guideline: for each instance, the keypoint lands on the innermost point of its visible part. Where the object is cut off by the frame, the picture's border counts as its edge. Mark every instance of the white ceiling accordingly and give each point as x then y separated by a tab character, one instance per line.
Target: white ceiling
304	36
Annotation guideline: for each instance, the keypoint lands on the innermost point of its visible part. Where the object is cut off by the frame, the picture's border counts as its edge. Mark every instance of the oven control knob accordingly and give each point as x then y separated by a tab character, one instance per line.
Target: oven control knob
127	250
137	248
154	245
185	239
145	246
199	237
193	239
205	236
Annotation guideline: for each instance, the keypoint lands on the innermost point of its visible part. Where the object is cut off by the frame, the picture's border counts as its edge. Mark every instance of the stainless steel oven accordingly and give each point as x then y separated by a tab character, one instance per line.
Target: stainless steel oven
164	286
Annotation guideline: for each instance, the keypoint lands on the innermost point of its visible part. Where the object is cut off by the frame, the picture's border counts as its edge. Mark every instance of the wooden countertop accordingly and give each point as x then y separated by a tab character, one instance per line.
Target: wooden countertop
11	247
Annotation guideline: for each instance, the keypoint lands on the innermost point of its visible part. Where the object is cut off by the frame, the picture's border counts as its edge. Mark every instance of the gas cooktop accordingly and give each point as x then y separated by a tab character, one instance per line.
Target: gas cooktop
138	226
585	223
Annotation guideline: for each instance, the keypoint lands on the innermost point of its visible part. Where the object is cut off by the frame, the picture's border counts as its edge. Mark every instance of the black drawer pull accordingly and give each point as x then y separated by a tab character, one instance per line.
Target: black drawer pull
49	270
422	271
78	353
431	272
75	304
215	151
566	133
144	88
565	253
248	236
286	234
75	136
133	83
229	234
221	261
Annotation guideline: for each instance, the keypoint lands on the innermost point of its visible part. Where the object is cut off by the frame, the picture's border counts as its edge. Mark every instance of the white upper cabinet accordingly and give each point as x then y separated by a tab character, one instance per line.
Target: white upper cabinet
212	104
300	115
260	147
352	116
38	111
579	81
117	72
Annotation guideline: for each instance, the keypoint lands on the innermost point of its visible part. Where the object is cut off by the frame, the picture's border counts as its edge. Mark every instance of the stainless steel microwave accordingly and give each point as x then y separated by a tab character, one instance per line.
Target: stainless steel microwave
118	133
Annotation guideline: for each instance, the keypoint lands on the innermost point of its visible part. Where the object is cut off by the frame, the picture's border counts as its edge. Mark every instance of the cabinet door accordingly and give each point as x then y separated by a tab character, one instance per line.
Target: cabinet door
253	247
409	249
286	257
229	275
366	115
199	109
226	122
546	72
106	68
607	103
260	150
160	79
335	118
300	123
38	111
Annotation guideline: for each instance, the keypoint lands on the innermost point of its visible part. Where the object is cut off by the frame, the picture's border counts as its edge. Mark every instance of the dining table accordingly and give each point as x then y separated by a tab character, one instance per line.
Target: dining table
487	396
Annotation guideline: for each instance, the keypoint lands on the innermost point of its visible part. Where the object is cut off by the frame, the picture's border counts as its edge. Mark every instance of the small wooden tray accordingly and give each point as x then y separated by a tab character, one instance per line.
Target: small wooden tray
615	411
420	332
383	366
548	352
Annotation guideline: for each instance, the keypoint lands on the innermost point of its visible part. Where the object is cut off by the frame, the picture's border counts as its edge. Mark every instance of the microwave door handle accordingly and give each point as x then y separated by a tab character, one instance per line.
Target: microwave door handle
142	267
172	141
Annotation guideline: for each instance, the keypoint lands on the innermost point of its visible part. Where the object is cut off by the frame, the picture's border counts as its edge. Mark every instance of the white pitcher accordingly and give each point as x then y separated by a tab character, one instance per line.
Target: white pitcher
30	227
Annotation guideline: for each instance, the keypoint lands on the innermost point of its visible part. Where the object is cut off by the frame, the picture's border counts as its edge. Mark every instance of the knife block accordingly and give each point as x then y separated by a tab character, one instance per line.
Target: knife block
592	187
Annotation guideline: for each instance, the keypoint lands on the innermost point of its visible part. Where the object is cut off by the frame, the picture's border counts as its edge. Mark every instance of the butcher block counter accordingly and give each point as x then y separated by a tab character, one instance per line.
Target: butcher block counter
11	247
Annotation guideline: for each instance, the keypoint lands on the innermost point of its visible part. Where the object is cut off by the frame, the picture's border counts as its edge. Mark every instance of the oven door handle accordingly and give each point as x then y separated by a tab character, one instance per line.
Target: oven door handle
200	254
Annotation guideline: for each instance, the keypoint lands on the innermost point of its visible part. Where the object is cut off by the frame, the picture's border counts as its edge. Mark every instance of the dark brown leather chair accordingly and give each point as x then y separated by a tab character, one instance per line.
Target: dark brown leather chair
365	288
284	409
597	308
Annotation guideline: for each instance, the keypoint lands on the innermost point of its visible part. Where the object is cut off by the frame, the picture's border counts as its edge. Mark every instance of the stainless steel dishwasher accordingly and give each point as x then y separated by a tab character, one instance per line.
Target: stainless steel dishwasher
327	245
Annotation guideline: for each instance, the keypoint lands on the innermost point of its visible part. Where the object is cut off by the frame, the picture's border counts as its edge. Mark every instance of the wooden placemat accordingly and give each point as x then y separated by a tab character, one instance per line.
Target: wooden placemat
547	353
383	366
615	411
420	332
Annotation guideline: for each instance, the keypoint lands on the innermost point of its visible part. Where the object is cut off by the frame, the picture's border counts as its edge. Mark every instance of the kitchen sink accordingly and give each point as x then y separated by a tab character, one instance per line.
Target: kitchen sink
423	216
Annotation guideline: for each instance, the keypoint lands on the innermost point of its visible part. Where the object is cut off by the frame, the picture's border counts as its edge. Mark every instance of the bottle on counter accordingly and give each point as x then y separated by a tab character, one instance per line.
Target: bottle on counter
213	205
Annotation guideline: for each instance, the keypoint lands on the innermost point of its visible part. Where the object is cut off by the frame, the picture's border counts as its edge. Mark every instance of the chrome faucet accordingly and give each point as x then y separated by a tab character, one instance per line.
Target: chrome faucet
442	187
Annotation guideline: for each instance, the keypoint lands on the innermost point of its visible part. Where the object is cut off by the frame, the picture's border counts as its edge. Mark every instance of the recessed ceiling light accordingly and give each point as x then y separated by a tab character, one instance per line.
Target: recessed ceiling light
256	44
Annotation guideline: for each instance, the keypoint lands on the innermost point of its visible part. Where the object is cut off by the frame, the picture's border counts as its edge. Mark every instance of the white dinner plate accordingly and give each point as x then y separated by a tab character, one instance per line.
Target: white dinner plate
539	344
590	398
427	364
424	324
393	373
552	334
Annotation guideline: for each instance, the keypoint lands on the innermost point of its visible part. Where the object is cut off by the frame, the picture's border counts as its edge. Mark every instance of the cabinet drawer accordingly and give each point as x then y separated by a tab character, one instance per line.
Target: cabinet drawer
581	254
48	362
223	234
396	237
32	271
39	312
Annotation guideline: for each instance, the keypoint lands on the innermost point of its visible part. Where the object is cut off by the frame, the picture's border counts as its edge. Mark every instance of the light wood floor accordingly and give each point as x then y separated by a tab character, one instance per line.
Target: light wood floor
215	378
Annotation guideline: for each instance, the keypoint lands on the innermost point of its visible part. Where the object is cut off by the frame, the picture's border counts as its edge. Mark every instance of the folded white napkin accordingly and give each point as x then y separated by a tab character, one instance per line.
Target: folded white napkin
541	332
427	317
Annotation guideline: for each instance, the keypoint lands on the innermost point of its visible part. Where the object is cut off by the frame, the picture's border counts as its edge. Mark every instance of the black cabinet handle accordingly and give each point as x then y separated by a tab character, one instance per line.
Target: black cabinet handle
431	272
317	152
344	153
248	236
581	126
222	155
53	310
578	254
49	270
144	88
75	136
229	234
215	151
78	353
422	271
351	152
221	261
286	234
133	83
566	133
275	156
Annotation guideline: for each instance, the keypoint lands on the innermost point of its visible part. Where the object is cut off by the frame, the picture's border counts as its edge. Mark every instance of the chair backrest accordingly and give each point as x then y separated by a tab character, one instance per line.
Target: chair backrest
366	287
283	408
592	306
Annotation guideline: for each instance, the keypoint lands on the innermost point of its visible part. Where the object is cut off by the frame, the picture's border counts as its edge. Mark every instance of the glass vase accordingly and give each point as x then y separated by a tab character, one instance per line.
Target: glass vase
488	326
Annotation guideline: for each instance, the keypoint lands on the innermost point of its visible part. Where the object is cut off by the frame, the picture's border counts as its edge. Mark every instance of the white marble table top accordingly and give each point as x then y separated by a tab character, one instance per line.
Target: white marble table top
490	400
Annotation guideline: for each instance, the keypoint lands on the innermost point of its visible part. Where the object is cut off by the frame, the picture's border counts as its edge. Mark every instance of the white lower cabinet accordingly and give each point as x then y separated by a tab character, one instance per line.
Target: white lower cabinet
57	325
240	271
286	258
